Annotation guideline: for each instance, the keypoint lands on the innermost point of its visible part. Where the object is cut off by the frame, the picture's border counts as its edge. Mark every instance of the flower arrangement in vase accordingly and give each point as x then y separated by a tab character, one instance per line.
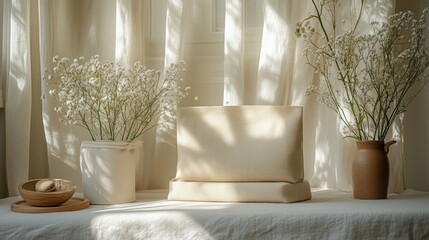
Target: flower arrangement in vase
367	79
110	101
116	105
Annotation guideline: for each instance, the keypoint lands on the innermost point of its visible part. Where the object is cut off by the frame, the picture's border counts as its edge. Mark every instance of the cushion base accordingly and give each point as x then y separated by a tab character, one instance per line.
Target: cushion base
239	191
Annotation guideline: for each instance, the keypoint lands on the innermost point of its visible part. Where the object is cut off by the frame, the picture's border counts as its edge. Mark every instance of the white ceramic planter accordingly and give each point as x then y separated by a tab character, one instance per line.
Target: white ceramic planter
108	171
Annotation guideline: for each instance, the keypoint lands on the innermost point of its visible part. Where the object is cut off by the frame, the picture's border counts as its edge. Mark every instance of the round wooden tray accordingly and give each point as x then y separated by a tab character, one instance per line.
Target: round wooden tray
75	203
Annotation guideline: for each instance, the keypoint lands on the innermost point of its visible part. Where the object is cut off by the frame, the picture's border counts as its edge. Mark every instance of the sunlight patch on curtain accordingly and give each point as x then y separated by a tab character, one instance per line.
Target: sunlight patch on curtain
130	31
173	33
173	39
123	35
233	52
165	148
18	93
273	49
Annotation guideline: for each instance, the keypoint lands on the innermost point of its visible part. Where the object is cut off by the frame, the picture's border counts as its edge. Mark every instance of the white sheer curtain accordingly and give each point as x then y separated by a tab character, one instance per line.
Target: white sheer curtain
165	149
24	134
118	30
38	31
234	52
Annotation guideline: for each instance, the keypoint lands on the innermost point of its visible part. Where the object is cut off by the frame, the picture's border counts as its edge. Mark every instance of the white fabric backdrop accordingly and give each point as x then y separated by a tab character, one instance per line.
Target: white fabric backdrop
118	30
25	143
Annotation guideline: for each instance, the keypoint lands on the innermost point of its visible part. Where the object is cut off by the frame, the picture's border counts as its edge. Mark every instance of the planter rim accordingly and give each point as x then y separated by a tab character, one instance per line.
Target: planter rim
369	141
112	144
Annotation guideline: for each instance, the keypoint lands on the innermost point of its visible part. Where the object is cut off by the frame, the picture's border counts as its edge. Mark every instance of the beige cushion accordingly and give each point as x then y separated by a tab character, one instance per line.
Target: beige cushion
240	144
239	191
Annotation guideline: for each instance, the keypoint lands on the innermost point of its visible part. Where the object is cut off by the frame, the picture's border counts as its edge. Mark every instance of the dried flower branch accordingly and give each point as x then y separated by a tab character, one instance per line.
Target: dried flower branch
367	79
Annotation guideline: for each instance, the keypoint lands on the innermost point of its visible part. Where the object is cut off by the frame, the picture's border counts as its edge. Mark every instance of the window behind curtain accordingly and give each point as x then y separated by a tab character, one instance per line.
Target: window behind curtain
204	45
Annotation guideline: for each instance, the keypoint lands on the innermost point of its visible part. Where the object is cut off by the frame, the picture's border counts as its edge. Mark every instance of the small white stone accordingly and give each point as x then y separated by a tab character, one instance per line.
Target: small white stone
45	185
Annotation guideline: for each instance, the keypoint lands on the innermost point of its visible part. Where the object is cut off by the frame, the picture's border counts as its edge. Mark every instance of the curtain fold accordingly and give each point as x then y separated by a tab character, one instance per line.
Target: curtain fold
71	29
18	95
233	93
5	36
129	48
130	32
4	46
276	33
117	31
18	85
164	165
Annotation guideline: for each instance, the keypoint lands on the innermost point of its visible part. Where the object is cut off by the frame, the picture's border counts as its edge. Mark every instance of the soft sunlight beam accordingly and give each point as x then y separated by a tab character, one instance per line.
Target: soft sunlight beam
188	139
214	120
264	128
233	50
18	48
273	49
166	132
123	38
165	149
117	223
173	34
18	106
378	11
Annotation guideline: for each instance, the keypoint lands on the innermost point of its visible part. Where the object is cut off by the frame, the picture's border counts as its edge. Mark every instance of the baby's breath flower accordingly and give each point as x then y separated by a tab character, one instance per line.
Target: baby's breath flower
111	101
367	79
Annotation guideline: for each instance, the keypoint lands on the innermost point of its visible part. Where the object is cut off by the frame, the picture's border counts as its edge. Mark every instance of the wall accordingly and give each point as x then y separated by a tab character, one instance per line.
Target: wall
3	188
416	136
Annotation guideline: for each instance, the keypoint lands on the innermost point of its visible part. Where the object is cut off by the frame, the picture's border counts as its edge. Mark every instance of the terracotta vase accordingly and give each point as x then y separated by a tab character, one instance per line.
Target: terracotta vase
370	170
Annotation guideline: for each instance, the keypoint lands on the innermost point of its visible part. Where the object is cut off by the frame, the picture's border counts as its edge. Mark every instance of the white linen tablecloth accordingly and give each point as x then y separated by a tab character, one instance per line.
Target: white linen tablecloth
330	214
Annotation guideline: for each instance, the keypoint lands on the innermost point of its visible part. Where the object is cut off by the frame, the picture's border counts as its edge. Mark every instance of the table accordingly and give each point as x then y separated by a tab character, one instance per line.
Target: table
330	214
